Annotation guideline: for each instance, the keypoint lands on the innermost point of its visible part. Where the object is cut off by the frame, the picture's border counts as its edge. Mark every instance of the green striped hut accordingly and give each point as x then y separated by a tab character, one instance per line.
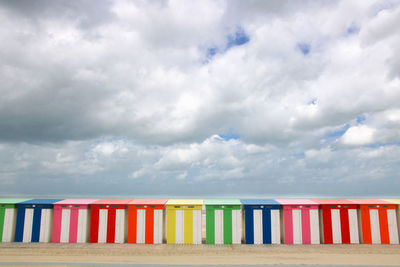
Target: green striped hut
223	221
8	215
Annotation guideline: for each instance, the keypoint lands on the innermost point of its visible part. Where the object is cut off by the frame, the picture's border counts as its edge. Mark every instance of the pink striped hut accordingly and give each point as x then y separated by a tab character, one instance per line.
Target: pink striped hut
71	221
301	221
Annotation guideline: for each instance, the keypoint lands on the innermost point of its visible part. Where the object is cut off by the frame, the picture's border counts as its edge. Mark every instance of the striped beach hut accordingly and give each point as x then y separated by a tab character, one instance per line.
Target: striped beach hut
339	221
145	221
184	221
223	221
8	215
108	220
262	221
378	221
301	221
71	221
34	220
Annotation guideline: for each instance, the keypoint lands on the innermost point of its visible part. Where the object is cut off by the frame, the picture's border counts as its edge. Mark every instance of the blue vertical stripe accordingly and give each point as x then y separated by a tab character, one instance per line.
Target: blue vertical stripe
249	224
19	227
37	216
266	226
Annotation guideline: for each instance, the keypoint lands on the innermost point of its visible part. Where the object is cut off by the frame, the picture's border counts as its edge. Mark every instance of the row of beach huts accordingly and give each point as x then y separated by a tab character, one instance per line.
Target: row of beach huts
180	221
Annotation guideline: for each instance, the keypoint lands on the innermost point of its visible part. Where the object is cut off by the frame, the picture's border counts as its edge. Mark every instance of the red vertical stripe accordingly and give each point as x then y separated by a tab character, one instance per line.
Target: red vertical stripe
384	227
327	221
111	225
344	225
132	225
149	239
366	225
94	224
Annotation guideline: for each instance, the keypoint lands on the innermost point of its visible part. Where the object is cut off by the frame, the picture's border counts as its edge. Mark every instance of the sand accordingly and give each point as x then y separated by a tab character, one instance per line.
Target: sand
379	255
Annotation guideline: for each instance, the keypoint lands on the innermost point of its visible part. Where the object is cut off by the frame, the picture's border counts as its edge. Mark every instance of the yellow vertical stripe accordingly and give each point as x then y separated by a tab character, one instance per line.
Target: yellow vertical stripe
171	226
188	233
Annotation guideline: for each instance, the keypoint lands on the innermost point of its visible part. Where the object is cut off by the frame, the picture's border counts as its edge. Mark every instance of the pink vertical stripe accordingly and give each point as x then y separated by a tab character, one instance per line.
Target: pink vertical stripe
73	225
288	219
56	225
305	226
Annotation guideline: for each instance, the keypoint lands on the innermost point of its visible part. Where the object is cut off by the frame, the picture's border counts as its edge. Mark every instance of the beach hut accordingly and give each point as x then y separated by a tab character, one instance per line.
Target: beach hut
34	220
8	215
108	220
301	221
223	221
378	221
145	221
339	221
71	221
261	221
184	221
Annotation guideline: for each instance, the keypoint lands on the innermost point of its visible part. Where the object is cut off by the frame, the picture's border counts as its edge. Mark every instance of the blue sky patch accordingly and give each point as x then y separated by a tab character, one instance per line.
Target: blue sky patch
304	48
337	133
361	119
229	136
312	101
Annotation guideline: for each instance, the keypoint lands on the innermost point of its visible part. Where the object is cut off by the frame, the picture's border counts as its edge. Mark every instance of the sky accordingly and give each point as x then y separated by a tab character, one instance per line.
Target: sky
200	98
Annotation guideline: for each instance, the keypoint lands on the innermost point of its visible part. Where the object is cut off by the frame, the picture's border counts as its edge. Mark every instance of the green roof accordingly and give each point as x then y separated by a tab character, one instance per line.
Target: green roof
222	202
12	200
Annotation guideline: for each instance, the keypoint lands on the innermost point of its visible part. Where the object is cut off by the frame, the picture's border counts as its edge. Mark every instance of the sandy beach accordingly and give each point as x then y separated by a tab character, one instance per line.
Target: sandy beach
377	255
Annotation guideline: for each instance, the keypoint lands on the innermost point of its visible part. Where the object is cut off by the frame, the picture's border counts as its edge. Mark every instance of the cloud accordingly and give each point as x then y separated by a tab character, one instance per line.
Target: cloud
359	135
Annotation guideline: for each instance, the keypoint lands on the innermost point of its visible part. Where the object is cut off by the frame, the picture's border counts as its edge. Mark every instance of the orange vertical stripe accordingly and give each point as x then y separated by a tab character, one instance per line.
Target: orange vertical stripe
366	225
384	227
132	224
149	226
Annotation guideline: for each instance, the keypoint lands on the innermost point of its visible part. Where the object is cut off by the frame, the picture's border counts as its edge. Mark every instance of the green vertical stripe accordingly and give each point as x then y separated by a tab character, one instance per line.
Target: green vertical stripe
2	213
227	226
210	226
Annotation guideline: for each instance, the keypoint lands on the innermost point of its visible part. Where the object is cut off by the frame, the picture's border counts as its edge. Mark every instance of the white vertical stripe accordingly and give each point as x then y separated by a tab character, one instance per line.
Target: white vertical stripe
82	232
158	215
179	226
275	227
45	225
257	224
336	231
120	226
375	230
196	226
236	226
392	222
353	227
218	226
27	237
297	232
140	226
65	224
103	214
9	225
314	224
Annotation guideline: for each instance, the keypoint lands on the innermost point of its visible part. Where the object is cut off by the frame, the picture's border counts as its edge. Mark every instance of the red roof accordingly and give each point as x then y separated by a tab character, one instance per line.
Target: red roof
333	201
148	201
112	201
369	201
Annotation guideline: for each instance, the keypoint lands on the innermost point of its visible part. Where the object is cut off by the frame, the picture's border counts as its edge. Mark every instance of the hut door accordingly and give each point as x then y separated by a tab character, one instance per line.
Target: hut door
219	226
375	230
119	226
82	235
179	226
236	226
158	215
297	233
9	216
275	227
197	227
353	226
28	225
258	233
103	213
140	226
336	232
45	226
393	233
65	220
